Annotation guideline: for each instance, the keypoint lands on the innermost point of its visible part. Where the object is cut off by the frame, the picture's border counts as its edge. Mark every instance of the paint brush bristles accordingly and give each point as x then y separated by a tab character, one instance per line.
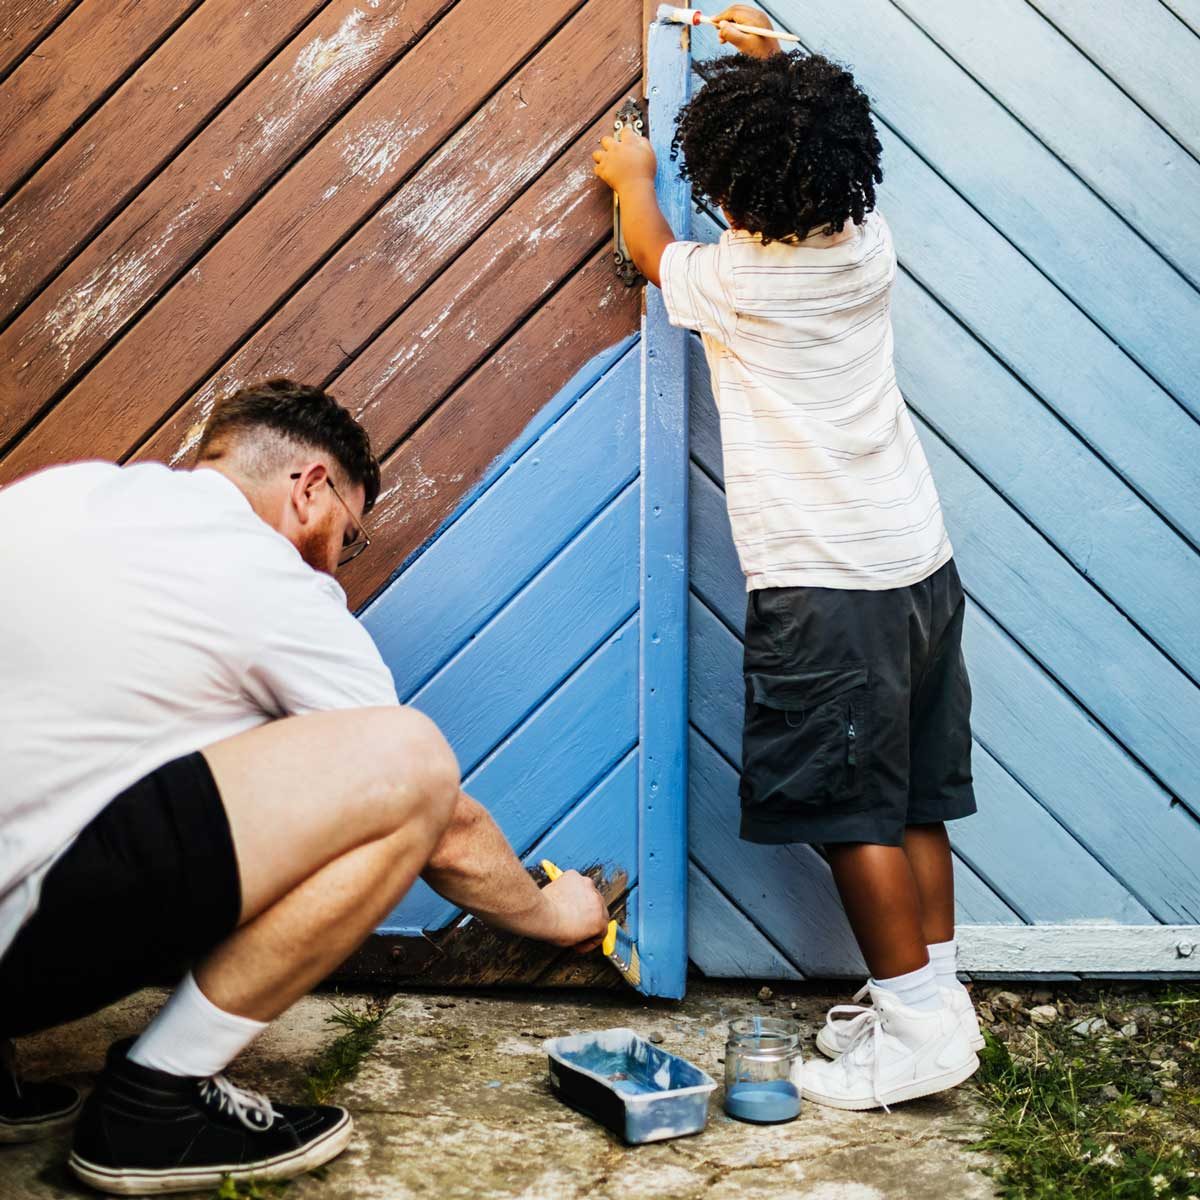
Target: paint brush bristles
693	16
621	950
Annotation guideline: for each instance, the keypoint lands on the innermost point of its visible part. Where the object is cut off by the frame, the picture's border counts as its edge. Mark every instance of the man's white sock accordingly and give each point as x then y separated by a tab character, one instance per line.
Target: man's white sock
192	1036
944	958
917	989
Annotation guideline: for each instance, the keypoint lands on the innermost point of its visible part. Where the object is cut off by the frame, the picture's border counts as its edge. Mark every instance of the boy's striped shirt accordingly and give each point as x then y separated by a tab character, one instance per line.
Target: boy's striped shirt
825	478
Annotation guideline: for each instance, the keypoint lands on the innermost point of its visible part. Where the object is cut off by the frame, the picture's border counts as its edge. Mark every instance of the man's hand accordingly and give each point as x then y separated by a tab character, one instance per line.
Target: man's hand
626	161
746	43
578	913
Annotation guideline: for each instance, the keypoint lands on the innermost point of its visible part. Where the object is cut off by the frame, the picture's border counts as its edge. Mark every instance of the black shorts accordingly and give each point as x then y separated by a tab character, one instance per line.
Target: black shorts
148	887
858	712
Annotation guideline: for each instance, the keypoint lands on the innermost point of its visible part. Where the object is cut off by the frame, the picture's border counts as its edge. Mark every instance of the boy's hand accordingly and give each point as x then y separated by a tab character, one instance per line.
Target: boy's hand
747	43
623	161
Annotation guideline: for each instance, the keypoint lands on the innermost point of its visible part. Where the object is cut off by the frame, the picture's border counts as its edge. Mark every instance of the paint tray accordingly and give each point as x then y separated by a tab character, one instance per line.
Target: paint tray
639	1091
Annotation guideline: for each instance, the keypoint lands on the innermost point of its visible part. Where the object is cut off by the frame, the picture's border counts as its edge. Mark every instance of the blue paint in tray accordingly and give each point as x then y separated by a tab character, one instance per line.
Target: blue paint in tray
640	1091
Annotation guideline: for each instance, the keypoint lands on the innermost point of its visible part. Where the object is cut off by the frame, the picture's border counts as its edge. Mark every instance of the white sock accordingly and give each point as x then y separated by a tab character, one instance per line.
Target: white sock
192	1036
917	989
944	958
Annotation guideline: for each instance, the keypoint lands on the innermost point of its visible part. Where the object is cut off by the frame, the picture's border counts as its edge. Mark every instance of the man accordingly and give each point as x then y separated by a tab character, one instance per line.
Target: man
206	769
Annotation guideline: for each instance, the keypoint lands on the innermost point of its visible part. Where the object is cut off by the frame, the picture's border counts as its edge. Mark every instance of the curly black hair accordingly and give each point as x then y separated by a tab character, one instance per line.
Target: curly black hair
784	144
300	413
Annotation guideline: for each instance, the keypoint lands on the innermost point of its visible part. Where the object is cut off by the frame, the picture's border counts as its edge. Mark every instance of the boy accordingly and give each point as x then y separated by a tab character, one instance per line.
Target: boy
857	731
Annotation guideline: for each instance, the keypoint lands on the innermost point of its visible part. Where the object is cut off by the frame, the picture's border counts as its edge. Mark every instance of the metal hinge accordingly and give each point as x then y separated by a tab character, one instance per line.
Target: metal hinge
630	116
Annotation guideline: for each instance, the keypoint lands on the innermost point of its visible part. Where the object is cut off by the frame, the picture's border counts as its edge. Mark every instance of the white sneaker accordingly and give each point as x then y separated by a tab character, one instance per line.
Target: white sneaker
842	1021
898	1053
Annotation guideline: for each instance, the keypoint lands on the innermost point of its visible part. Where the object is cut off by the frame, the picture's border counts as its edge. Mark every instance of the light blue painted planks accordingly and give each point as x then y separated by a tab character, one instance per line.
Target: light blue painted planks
1004	171
556	754
662	892
536	640
1188	12
1145	49
723	942
1078	112
512	529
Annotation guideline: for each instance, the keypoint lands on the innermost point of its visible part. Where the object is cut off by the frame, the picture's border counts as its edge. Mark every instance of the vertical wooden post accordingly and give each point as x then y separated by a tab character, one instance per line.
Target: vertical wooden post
662	869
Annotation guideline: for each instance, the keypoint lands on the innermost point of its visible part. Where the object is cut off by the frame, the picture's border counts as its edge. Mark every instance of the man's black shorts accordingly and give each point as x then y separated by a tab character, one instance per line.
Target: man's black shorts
145	890
858	712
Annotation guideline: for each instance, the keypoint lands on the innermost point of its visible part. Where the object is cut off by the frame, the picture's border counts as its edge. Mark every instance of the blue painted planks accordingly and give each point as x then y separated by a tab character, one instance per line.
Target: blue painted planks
1078	113
1146	50
723	942
535	641
662	901
992	160
511	529
533	777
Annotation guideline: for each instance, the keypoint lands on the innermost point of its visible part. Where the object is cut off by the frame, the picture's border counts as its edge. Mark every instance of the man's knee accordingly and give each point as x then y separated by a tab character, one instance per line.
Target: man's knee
415	772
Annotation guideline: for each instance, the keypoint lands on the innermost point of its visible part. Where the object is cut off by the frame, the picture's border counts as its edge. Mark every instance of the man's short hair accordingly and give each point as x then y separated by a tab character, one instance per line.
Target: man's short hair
298	416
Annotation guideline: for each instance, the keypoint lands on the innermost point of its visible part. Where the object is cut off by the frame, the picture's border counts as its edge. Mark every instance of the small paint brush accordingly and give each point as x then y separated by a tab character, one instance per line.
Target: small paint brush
618	947
693	16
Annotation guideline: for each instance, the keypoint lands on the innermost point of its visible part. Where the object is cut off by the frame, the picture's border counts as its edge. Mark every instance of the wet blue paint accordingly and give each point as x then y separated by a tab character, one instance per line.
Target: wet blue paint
763	1103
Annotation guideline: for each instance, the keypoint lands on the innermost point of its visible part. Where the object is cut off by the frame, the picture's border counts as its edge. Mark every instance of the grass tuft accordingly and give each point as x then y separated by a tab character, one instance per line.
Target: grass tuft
1101	1115
340	1061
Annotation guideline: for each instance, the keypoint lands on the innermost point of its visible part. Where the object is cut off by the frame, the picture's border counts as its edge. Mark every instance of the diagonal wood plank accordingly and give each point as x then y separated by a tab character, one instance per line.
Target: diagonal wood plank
71	71
124	143
378	276
170	224
23	22
424	478
293	228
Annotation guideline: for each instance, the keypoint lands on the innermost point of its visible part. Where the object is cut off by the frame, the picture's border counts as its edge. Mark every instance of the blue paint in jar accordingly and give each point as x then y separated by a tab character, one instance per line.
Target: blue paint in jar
763	1103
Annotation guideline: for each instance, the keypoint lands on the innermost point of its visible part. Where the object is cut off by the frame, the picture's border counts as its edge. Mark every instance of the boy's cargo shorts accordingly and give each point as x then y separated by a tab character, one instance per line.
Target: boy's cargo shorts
858	712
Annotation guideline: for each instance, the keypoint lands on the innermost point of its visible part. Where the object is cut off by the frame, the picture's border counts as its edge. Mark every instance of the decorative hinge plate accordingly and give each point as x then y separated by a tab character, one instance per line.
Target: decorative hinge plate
629	116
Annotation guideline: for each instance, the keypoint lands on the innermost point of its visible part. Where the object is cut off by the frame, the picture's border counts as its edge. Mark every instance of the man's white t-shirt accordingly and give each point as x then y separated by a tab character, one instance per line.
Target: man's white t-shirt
825	478
147	613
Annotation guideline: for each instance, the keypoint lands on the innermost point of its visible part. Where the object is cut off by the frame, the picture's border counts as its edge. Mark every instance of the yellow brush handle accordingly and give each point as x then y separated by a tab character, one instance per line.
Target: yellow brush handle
552	872
610	938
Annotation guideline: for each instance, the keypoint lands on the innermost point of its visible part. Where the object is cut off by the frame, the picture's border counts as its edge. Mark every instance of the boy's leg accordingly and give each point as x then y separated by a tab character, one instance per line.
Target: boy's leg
883	903
927	849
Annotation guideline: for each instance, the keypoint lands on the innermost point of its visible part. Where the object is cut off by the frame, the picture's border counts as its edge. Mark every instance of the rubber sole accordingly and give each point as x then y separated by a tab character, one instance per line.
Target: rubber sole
827	1048
132	1181
16	1133
911	1091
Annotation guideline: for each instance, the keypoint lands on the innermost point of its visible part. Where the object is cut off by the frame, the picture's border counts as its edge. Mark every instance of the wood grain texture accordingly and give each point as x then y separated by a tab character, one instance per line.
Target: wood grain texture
364	295
73	68
425	476
1147	51
322	198
119	149
1083	949
171	223
24	22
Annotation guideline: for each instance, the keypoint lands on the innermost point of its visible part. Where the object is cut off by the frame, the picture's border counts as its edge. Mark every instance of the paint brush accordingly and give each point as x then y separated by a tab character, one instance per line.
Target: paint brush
618	947
693	16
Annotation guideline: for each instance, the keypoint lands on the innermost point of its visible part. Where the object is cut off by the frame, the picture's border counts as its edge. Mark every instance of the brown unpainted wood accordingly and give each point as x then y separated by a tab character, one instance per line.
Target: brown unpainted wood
289	231
426	476
147	120
471	954
80	61
437	214
22	22
331	63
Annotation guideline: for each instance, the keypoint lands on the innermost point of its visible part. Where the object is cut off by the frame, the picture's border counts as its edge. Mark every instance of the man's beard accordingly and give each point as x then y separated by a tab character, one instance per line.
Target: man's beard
314	545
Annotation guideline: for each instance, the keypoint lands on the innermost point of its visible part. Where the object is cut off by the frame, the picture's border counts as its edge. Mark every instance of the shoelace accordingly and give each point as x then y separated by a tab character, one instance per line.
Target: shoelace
855	1012
869	1030
253	1109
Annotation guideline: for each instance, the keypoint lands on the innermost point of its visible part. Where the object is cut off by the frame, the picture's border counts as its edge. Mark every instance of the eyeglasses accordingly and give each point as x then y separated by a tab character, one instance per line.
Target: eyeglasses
360	541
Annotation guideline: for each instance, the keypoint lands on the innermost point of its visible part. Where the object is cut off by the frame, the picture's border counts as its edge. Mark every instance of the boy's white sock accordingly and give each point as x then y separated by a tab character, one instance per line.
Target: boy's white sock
192	1036
918	989
943	956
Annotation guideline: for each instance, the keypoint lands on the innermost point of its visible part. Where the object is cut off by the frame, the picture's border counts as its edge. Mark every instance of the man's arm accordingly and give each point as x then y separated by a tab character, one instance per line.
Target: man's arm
474	867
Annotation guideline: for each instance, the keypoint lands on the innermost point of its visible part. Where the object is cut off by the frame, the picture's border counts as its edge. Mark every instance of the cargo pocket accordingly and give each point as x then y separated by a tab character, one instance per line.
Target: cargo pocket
803	741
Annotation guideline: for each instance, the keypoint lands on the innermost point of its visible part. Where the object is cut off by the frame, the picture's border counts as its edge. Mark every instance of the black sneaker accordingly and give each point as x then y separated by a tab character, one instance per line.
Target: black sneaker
145	1132
31	1111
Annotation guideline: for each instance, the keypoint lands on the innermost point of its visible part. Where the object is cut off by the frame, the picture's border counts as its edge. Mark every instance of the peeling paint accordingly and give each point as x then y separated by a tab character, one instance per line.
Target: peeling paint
374	150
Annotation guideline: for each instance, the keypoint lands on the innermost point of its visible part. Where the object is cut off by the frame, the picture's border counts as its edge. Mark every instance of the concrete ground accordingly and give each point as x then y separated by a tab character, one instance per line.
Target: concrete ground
454	1102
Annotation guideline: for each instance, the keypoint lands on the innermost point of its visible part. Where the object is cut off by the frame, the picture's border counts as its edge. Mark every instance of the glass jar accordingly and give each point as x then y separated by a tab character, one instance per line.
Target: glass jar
763	1068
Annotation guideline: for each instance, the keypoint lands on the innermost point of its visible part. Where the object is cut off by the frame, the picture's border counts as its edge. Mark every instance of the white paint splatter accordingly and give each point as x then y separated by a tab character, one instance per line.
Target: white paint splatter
375	149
